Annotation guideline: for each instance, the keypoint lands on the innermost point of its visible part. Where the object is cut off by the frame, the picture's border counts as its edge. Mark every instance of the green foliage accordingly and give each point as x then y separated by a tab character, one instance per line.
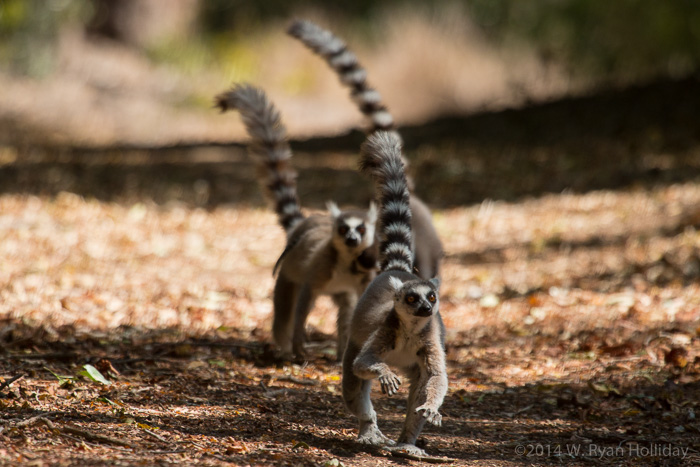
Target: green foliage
620	39
89	372
226	15
63	381
94	374
226	56
623	39
601	39
29	32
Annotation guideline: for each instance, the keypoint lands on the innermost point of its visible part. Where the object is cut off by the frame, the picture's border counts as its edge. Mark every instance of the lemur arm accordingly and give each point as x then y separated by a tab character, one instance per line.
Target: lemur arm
435	388
369	363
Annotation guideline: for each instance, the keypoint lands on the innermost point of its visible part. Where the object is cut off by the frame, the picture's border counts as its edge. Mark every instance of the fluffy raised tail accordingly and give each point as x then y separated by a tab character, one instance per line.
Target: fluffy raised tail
269	146
381	159
351	73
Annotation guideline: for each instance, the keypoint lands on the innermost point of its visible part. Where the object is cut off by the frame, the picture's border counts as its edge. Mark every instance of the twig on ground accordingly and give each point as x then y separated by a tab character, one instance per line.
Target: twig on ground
85	434
272	393
295	380
79	440
167	451
519	411
429	459
126	361
156	436
395	451
35	419
95	437
41	356
10	381
242	345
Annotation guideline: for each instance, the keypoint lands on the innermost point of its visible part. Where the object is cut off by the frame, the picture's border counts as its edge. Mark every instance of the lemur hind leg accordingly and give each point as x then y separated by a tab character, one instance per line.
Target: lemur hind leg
356	394
346	304
284	299
305	301
415	421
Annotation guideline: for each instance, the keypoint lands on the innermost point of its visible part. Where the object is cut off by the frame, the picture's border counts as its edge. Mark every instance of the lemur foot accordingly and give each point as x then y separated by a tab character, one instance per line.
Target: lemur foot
371	435
406	448
412	452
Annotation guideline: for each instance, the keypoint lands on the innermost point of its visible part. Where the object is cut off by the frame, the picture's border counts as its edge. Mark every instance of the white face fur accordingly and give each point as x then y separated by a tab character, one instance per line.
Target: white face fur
353	233
416	298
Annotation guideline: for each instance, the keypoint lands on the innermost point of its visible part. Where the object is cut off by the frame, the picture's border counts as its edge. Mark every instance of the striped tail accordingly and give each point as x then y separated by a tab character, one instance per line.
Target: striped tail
381	159
351	73
269	146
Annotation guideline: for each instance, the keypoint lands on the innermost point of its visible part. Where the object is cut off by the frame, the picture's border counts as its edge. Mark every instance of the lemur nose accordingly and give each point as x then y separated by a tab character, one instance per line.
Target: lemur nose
352	241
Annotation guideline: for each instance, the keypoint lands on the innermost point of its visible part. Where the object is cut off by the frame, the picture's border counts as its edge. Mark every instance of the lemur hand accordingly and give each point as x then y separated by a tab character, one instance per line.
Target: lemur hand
431	414
390	383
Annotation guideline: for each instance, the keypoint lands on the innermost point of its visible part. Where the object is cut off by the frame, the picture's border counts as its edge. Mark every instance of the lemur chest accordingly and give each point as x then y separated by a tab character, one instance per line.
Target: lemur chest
406	352
343	280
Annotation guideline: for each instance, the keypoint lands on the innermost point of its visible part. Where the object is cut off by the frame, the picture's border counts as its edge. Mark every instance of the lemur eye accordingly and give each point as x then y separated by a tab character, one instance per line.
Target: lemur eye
431	298
343	229
361	229
410	299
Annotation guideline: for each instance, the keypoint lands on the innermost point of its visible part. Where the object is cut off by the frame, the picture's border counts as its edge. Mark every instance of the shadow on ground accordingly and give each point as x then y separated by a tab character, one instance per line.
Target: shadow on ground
641	136
191	387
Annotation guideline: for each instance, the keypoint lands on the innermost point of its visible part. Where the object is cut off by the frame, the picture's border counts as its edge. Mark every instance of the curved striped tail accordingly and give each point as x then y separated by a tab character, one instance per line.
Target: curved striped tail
381	159
351	73
269	145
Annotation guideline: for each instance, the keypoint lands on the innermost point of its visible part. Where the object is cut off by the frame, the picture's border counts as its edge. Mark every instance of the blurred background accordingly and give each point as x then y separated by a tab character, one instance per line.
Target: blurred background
503	97
144	71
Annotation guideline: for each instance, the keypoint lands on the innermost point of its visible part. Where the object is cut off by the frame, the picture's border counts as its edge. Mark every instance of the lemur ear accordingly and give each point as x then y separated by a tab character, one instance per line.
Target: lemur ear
436	282
372	212
333	209
396	283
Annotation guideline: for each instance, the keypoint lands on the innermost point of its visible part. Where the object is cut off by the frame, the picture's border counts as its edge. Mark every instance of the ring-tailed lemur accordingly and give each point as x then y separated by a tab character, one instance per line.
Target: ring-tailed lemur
397	320
325	254
428	247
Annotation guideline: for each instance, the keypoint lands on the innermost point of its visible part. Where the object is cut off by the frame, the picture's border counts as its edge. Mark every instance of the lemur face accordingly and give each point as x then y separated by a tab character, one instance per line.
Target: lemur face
416	298
354	230
351	230
420	300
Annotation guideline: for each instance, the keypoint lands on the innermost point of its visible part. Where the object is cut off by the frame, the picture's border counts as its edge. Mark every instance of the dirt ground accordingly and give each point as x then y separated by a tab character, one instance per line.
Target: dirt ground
572	331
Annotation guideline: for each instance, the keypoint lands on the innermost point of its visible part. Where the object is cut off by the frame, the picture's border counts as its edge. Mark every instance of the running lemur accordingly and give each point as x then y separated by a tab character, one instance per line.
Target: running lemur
329	254
428	247
397	320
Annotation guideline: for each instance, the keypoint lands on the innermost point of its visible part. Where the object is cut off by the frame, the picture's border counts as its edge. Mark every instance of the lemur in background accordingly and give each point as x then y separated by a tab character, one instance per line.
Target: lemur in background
397	320
329	254
428	247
